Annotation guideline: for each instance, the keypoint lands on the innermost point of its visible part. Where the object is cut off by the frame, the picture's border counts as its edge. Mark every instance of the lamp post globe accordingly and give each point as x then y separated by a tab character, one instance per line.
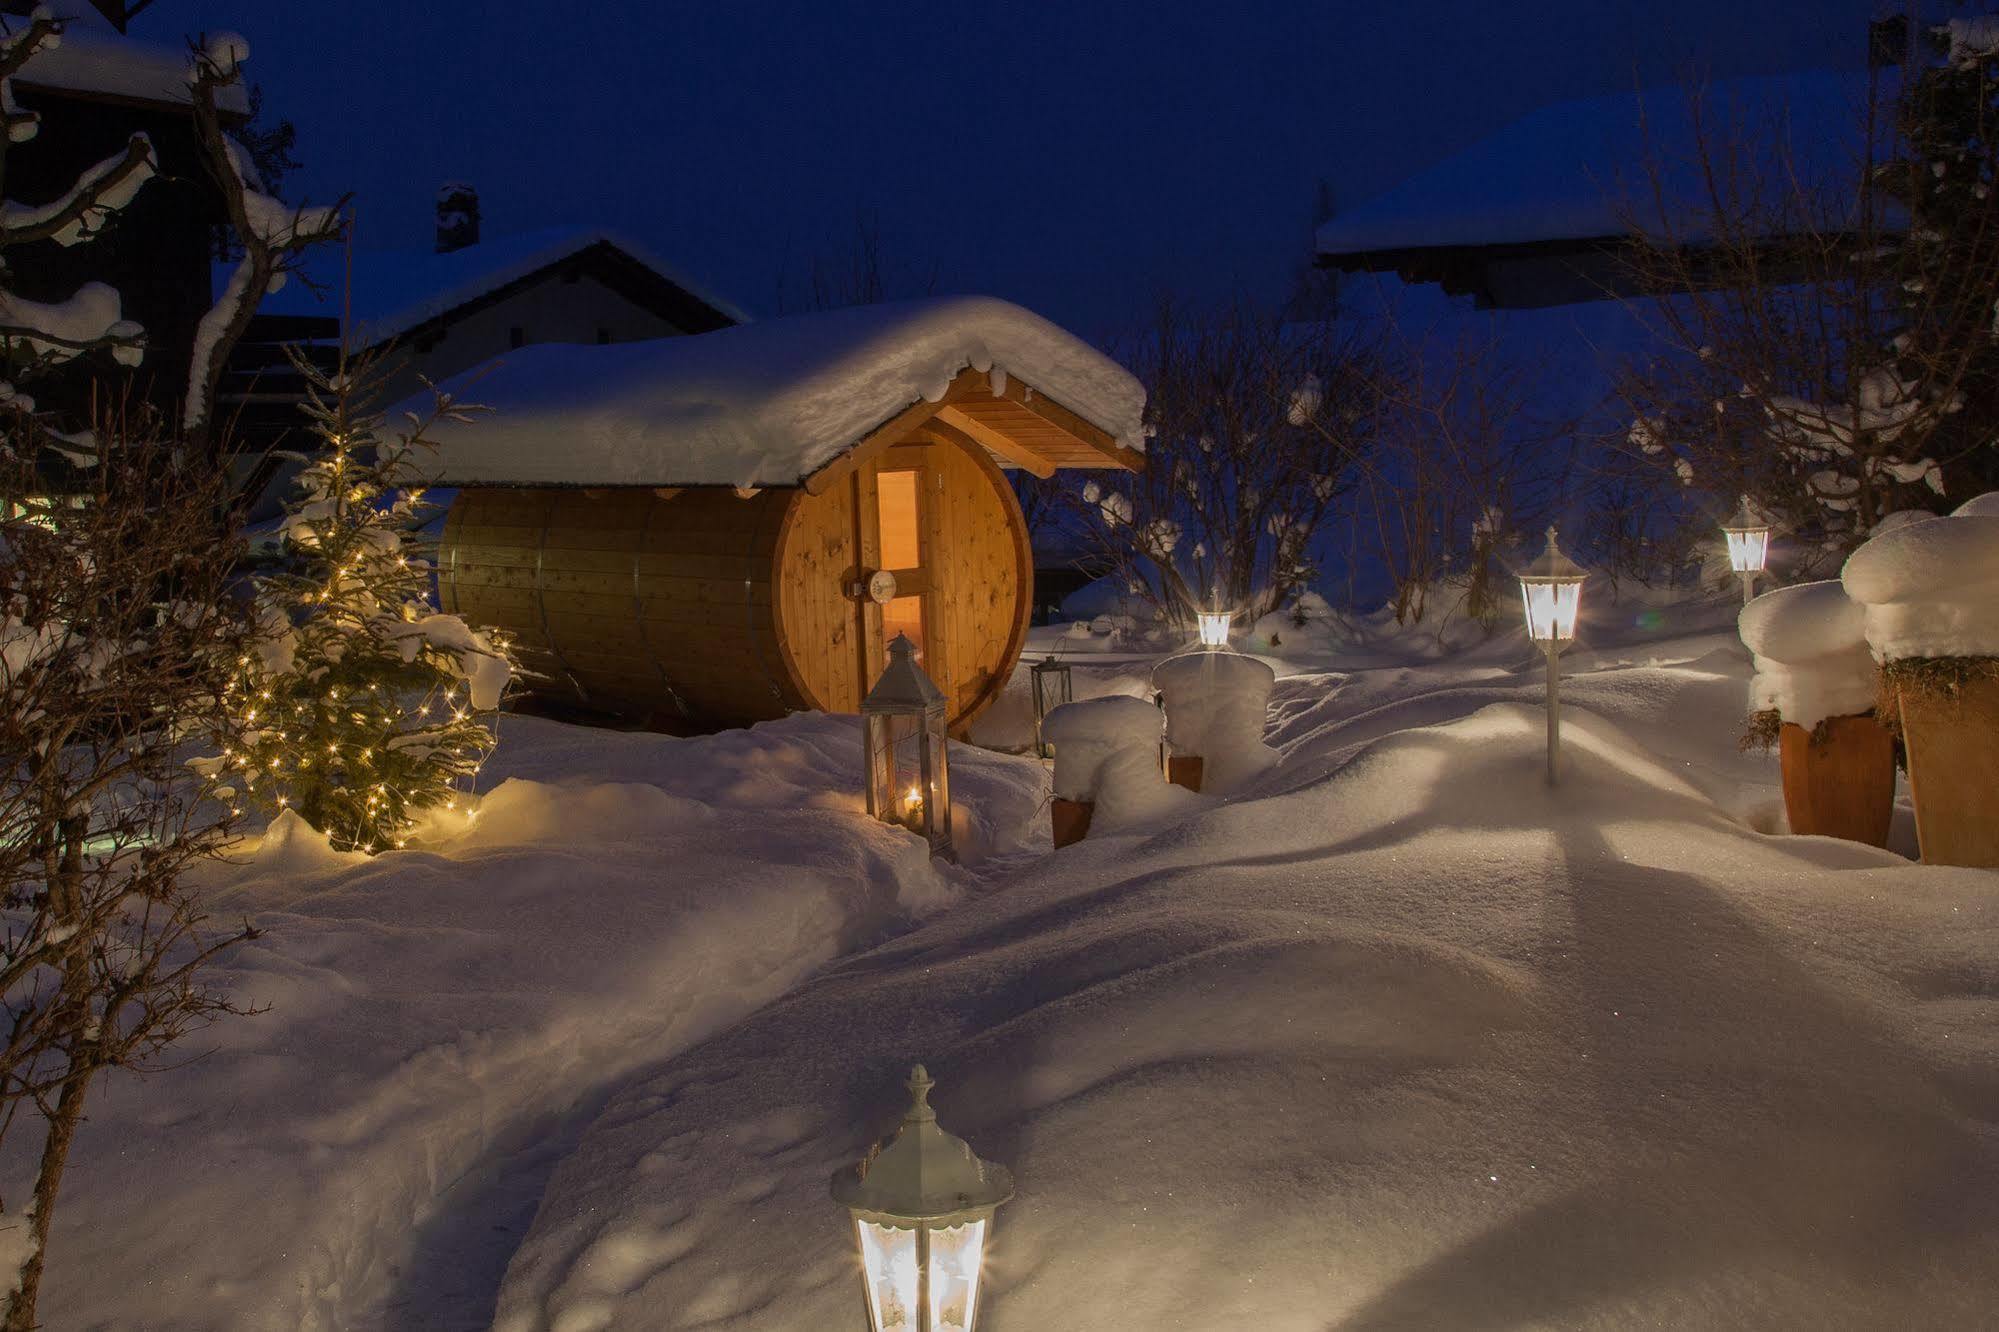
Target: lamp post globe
1748	535
1551	592
922	1204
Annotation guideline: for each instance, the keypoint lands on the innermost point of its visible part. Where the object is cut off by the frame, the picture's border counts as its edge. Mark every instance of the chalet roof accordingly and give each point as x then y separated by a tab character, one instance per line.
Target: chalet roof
94	59
1573	170
396	292
786	402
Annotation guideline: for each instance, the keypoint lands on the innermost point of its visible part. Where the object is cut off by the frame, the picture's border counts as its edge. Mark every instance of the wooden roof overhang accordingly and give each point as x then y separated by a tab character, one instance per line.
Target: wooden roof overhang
1019	426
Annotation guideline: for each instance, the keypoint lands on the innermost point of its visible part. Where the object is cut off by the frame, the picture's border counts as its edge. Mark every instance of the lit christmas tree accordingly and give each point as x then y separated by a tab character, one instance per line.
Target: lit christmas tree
361	708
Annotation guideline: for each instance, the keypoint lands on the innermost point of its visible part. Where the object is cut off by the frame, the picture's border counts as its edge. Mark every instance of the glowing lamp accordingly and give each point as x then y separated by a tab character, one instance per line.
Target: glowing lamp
1053	686
923	1205
1551	590
1214	627
1748	546
903	740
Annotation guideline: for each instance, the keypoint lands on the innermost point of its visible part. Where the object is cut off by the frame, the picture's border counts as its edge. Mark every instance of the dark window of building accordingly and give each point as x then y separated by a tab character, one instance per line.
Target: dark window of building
517	336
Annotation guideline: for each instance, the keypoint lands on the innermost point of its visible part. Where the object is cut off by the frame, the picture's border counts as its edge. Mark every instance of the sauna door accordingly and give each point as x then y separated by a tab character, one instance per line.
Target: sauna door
897	535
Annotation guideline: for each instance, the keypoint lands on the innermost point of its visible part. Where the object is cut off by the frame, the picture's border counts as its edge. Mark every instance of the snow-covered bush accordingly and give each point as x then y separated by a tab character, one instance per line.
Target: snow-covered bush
360	707
1256	425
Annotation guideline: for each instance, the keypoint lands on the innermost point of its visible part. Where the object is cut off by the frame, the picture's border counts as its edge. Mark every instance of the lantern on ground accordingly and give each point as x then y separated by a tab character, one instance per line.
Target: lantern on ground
1214	627
1748	546
902	724
1053	686
1551	589
922	1204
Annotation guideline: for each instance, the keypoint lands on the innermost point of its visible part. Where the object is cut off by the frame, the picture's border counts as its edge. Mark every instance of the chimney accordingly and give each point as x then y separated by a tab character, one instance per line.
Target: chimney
457	216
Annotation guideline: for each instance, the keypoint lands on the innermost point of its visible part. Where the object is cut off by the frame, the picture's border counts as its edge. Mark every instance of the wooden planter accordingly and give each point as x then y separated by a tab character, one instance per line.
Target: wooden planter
1069	820
1185	770
1842	785
1953	745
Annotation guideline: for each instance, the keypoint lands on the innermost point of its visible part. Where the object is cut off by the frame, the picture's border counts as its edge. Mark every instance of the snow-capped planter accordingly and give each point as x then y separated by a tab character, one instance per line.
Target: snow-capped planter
1931	593
1216	703
1814	693
1106	749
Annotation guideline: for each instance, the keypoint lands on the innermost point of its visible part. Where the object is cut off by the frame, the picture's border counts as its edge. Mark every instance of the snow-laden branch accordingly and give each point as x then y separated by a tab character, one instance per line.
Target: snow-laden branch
272	232
90	320
85	209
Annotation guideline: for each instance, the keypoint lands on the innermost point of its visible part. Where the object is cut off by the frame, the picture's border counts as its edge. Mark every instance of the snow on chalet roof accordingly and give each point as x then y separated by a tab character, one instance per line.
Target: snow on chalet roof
394	291
95	58
1574	170
764	404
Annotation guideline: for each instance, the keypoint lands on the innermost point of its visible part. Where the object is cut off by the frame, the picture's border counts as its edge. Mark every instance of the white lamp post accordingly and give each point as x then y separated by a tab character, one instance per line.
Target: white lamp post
1748	546
922	1203
908	757
1214	627
1551	589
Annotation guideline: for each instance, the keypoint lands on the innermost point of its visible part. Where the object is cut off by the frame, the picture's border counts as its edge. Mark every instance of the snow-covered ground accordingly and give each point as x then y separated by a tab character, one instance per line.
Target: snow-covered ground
1403	1038
1396	1037
442	1022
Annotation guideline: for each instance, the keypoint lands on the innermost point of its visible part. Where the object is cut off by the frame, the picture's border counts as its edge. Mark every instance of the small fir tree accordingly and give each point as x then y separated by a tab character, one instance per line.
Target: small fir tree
361	708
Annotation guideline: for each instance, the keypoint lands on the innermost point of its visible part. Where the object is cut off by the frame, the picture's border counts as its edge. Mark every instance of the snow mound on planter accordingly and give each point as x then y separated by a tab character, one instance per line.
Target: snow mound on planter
1979	506
1217	704
762	404
1930	589
1088	732
1810	646
1418	1044
442	1020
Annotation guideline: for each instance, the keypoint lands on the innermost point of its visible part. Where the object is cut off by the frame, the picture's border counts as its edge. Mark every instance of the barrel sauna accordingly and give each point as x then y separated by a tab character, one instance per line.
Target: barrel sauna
710	606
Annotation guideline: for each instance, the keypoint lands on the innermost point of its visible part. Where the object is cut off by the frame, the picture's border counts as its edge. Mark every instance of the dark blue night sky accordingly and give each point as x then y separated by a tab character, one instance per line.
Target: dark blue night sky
1071	157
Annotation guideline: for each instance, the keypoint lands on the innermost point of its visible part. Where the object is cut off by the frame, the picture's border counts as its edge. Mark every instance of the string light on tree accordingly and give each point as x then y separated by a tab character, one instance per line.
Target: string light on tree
351	650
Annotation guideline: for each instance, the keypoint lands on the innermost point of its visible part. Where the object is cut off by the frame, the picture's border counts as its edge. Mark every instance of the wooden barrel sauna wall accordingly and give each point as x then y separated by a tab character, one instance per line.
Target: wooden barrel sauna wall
713	608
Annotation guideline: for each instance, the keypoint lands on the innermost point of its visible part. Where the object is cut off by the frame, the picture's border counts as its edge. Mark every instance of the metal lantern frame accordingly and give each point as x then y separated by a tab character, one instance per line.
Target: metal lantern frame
1213	627
1748	535
1053	684
922	1204
1551	590
906	710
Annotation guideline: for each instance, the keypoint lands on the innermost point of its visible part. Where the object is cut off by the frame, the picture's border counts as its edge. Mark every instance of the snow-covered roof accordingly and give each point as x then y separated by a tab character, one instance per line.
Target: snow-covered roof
1575	169
395	291
93	57
770	403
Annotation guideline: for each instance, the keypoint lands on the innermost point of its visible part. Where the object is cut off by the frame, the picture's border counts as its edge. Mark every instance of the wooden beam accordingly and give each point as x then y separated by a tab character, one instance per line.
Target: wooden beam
889	432
1055	414
959	428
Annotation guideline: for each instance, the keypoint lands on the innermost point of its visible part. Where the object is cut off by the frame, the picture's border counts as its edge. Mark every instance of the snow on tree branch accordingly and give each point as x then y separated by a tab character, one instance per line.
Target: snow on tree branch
87	207
46	334
273	233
